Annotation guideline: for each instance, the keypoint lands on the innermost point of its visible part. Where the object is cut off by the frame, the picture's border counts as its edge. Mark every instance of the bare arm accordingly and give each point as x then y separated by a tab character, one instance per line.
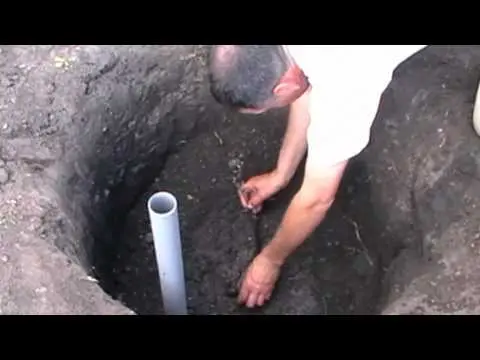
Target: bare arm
305	212
294	143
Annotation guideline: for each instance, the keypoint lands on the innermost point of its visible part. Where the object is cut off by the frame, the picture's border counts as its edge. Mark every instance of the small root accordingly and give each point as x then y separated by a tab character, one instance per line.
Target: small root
359	238
220	140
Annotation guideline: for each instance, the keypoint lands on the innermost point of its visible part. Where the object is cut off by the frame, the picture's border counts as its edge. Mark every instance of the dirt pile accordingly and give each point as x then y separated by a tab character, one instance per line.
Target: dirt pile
424	163
89	132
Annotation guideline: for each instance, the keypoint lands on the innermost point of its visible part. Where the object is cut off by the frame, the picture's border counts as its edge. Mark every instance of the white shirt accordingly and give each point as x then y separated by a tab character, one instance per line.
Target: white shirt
347	83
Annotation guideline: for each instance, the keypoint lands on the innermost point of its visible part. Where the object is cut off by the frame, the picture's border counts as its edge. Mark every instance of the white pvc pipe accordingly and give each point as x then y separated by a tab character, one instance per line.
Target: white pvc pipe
476	112
163	214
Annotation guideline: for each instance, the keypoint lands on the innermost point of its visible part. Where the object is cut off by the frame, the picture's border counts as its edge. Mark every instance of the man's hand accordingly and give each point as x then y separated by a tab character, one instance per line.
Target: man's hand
258	189
258	281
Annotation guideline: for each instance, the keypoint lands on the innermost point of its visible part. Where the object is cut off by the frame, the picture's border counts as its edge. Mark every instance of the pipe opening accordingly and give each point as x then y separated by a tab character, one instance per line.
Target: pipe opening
162	203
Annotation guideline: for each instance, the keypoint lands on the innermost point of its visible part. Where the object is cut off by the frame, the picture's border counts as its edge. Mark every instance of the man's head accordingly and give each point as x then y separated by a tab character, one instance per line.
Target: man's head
254	78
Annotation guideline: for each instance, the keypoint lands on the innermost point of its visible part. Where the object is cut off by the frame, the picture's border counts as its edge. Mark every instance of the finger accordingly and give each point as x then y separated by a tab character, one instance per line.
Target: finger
252	300
243	200
243	294
255	200
245	195
260	300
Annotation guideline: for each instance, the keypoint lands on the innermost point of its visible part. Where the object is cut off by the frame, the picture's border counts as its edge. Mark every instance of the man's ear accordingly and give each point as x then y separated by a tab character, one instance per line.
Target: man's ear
290	83
285	89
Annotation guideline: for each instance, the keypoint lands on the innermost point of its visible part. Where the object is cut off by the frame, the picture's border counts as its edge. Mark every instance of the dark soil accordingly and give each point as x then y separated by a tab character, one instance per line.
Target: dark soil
90	132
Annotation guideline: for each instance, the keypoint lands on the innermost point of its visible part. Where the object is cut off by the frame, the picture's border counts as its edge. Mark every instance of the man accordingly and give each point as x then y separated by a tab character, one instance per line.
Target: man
333	92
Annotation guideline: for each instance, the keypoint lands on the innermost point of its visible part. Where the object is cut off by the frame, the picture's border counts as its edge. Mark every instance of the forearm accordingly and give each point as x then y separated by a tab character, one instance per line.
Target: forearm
306	210
299	221
294	143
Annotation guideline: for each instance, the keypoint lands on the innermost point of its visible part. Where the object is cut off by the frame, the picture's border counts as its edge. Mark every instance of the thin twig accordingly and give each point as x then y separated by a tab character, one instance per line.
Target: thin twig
220	140
359	238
